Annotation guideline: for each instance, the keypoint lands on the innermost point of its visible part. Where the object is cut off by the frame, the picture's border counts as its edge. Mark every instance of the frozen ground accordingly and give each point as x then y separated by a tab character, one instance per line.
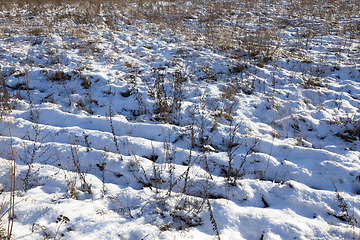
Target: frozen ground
139	132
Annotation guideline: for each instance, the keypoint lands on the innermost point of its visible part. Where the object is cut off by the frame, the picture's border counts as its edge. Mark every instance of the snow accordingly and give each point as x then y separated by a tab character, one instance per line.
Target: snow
262	152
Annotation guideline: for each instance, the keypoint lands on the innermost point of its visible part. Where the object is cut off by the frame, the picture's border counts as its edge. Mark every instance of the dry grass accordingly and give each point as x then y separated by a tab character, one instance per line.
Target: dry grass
223	29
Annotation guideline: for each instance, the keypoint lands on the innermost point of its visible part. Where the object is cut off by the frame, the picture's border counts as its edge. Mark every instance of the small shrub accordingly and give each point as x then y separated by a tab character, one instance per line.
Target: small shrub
350	128
59	76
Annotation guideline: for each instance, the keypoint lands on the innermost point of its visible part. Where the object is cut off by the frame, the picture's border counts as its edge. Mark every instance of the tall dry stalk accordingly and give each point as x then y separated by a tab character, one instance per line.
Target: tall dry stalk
12	183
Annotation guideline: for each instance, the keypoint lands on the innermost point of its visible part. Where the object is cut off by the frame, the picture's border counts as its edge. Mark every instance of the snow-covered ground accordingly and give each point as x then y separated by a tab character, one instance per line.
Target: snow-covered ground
123	129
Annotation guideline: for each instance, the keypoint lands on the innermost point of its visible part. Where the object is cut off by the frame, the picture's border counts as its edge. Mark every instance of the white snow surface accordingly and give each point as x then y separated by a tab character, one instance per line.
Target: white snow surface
93	145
